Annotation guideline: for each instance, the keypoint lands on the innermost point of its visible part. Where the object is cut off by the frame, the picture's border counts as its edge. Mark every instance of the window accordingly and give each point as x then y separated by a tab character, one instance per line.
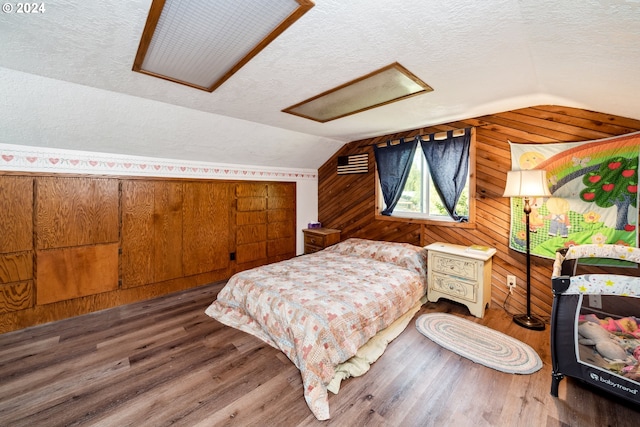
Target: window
419	200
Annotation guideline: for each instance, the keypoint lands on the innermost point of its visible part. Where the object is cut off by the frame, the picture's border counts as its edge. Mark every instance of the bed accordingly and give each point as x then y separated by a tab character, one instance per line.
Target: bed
595	322
324	310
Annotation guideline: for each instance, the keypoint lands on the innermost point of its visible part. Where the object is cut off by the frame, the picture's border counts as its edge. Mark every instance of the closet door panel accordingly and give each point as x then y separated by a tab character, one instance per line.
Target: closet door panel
167	230
137	233
281	220
76	211
69	273
251	224
206	227
16	218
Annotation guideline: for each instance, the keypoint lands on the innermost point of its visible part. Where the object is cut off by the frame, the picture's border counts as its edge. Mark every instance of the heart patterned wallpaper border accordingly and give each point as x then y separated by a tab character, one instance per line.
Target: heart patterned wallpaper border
39	159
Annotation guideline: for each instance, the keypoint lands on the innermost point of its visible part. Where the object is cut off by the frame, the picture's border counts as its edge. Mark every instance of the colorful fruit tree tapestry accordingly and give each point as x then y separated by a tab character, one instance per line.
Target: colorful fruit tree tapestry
595	194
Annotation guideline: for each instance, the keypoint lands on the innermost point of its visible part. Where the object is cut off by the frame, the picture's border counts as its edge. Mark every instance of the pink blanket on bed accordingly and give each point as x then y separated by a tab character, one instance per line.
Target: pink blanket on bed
320	308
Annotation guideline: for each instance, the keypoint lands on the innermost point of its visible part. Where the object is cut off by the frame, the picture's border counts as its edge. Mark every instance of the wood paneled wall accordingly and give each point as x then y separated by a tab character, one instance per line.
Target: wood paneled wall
347	202
75	244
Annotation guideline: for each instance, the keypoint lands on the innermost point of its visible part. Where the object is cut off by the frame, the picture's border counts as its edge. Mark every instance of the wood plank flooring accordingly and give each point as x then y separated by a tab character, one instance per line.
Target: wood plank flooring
164	362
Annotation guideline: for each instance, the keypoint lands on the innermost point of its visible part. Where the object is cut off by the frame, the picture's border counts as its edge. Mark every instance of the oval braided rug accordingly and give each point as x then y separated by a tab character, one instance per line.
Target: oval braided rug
479	343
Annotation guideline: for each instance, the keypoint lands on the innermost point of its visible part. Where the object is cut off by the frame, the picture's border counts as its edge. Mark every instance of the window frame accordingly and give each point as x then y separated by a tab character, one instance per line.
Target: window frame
445	222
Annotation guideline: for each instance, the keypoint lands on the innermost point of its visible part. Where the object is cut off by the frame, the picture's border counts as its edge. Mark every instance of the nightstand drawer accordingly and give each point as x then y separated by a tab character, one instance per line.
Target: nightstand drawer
451	265
453	286
316	239
309	249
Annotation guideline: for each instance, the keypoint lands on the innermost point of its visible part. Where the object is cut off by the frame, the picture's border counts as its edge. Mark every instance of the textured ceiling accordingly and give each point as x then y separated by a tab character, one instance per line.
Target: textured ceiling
66	78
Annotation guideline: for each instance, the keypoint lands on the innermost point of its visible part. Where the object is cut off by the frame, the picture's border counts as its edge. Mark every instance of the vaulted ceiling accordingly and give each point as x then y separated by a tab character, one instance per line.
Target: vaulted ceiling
66	76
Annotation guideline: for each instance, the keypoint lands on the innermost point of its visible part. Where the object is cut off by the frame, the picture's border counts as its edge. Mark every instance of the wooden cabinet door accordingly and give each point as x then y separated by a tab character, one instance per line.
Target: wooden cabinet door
281	221
151	232
137	239
16	214
76	211
77	237
206	227
265	222
167	230
173	229
251	223
16	243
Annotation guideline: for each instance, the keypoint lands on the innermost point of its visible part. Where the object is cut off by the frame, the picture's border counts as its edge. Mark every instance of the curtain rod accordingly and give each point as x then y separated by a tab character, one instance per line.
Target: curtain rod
436	135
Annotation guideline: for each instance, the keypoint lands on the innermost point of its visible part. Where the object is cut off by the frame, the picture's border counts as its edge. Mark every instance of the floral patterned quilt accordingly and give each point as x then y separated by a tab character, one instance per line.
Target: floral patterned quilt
320	308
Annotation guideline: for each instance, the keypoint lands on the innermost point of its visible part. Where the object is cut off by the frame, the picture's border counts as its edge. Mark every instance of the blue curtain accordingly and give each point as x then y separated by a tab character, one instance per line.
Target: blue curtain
394	164
448	161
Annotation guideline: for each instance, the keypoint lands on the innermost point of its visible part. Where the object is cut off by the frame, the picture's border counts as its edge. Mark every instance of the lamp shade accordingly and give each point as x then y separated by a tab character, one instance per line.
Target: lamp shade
527	183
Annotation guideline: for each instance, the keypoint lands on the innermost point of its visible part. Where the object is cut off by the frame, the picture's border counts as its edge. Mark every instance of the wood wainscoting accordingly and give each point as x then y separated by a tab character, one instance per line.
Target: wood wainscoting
76	244
347	202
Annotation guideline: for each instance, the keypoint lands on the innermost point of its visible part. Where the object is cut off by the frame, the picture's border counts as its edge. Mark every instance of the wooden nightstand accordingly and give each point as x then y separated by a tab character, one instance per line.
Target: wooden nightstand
316	239
460	274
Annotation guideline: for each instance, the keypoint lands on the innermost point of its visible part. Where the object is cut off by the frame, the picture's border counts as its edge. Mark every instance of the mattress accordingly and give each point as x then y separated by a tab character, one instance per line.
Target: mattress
319	309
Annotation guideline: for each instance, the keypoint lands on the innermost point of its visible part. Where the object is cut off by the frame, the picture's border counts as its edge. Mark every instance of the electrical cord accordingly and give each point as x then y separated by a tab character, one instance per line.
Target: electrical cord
545	319
504	304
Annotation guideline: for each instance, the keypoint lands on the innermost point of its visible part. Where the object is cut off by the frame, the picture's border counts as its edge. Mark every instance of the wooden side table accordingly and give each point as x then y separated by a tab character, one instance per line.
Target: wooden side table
316	239
461	274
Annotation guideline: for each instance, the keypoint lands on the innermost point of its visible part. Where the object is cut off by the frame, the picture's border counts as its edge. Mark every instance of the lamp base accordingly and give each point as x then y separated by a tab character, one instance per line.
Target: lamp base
529	322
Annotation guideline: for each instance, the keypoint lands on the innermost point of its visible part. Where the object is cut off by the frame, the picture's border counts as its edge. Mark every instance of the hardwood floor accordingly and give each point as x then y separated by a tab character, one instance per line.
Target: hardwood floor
163	362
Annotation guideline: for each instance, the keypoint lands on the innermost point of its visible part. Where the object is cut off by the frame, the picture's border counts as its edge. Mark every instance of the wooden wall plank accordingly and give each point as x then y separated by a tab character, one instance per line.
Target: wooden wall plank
251	233
281	190
347	202
16	287
206	225
253	217
280	248
16	218
16	267
167	230
281	221
69	273
248	252
16	296
76	211
279	215
610	124
286	203
251	225
137	232
280	229
248	204
251	189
